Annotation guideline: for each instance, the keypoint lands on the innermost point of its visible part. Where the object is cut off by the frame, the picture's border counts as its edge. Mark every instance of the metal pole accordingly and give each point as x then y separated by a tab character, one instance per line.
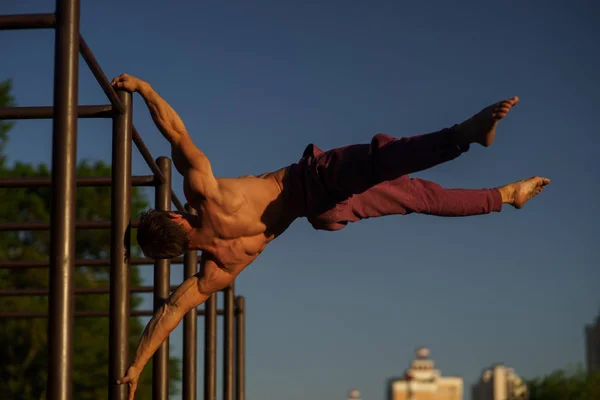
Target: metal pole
62	214
210	348
190	323
240	349
160	361
228	344
120	248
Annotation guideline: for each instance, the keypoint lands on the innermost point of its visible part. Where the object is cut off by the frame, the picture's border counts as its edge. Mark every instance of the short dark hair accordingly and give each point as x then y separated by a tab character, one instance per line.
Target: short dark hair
161	237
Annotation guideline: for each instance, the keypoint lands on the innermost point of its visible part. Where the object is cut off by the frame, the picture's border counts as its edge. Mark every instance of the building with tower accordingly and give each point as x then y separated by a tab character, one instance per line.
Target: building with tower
499	383
422	381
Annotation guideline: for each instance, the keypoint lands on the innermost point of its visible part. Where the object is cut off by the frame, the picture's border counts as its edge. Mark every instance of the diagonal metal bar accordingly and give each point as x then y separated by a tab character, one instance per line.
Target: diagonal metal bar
94	66
90	60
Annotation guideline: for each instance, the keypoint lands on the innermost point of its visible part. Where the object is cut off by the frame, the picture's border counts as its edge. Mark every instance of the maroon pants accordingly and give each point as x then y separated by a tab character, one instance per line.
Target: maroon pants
363	181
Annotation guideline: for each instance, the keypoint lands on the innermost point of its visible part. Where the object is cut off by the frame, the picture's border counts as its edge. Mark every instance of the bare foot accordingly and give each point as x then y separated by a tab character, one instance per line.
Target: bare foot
481	128
518	193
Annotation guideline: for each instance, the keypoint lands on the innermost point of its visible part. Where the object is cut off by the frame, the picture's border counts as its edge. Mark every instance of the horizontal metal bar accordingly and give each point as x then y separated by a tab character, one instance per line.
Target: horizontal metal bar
88	181
132	313
97	290
90	60
80	263
97	111
44	226
27	21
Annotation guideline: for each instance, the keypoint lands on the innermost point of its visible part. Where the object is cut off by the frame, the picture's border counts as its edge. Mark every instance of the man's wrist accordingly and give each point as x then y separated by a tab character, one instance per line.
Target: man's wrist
145	89
137	366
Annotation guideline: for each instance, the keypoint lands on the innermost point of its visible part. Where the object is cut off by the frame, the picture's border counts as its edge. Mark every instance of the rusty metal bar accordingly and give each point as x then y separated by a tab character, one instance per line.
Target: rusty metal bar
86	314
99	111
240	348
228	343
90	60
87	181
81	263
190	322
160	360
62	237
27	21
120	248
210	348
44	226
95	290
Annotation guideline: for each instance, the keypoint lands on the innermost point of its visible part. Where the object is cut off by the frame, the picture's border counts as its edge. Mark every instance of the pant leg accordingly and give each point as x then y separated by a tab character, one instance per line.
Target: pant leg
407	195
353	169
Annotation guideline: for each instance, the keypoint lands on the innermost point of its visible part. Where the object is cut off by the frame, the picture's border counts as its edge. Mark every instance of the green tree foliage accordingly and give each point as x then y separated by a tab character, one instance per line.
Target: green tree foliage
565	384
23	342
6	100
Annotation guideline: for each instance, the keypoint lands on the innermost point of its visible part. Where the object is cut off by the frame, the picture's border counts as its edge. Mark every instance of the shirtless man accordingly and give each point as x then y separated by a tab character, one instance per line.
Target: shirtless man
238	217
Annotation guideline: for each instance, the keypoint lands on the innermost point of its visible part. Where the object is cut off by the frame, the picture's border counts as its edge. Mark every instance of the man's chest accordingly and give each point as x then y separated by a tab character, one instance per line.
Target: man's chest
237	253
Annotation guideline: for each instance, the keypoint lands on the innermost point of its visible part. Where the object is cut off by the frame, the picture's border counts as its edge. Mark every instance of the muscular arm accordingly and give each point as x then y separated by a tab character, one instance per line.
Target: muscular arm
191	293
190	161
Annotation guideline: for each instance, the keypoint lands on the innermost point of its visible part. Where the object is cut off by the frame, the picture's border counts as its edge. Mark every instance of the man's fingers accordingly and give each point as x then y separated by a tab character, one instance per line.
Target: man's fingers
123	380
132	388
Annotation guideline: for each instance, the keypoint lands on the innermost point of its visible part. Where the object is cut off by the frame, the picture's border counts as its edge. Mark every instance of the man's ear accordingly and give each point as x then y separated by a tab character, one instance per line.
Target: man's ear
175	216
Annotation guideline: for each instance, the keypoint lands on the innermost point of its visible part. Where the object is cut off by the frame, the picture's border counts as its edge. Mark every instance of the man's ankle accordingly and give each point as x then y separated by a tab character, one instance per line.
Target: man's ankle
507	193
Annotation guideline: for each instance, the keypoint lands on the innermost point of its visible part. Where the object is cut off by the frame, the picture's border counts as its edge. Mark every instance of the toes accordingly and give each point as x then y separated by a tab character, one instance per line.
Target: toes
541	181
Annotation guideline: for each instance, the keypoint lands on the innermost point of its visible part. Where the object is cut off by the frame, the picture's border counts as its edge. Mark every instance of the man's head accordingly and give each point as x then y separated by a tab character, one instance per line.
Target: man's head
163	234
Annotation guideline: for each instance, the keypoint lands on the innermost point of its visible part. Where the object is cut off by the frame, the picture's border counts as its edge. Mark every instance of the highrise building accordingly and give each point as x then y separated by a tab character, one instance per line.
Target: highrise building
499	383
592	346
423	382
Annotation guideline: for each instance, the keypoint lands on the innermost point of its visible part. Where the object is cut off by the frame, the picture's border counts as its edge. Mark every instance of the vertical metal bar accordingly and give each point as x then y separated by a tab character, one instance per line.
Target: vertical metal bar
228	343
160	361
190	322
240	349
120	247
62	214
210	348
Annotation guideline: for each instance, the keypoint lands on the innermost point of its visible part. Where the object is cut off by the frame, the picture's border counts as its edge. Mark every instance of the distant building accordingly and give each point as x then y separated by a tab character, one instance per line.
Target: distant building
499	383
423	382
592	346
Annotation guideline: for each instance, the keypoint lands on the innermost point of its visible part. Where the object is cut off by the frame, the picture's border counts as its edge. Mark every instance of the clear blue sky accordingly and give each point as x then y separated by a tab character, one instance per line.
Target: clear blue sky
257	81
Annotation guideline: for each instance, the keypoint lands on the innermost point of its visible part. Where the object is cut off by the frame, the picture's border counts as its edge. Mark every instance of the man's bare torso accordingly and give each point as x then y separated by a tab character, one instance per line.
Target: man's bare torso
250	213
